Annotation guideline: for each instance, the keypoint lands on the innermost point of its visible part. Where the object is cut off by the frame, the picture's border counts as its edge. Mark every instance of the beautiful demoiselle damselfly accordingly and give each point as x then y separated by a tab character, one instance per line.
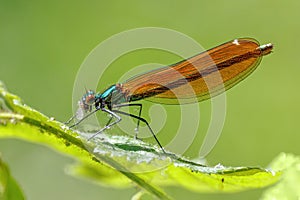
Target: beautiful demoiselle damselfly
192	80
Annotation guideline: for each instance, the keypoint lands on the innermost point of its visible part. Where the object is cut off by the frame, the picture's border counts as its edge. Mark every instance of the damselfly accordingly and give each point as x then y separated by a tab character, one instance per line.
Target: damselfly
192	80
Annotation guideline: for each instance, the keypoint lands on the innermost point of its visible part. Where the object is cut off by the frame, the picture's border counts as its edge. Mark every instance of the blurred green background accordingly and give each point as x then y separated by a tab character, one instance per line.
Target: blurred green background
43	43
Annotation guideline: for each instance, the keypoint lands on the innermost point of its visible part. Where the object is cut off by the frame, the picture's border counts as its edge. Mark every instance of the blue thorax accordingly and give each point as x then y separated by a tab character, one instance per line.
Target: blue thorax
107	92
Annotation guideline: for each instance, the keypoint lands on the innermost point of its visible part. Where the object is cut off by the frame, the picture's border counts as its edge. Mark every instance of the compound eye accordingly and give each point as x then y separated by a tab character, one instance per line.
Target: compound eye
87	101
89	97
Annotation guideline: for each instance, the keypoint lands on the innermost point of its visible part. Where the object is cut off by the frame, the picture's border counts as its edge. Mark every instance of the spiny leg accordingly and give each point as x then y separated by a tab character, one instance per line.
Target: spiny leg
85	117
140	112
143	120
109	125
111	117
69	121
109	120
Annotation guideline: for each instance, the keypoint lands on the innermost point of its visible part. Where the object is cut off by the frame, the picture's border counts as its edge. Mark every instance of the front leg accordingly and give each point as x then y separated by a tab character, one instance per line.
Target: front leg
108	125
78	122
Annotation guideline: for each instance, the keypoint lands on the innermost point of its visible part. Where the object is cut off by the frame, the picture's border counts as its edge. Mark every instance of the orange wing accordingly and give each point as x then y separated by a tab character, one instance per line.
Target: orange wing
199	77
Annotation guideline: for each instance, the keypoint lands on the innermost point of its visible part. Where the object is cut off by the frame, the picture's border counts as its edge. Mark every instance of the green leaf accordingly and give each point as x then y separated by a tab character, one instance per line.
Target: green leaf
288	187
9	189
121	161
